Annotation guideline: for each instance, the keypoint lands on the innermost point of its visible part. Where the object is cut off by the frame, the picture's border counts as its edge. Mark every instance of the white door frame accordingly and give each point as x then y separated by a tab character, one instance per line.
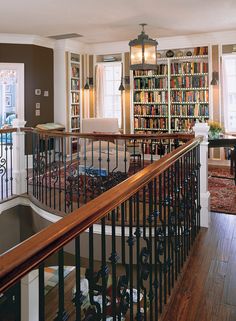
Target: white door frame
20	94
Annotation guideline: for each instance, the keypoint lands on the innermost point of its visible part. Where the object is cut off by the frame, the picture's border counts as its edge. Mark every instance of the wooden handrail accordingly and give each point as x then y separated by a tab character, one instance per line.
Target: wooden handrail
56	133
23	258
7	130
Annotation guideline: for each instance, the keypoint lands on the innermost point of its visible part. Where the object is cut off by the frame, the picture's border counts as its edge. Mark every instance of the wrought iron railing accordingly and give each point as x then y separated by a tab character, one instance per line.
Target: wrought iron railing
6	161
124	272
68	169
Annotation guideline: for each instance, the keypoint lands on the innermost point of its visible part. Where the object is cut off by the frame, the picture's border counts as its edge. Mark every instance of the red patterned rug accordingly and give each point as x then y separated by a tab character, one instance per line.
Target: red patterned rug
223	191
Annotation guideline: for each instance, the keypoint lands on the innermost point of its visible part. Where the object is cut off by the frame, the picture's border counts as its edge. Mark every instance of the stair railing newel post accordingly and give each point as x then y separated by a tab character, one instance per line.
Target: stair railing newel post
202	129
18	161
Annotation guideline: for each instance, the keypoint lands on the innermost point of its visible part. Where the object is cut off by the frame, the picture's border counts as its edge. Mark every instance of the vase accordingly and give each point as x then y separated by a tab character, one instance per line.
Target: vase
214	134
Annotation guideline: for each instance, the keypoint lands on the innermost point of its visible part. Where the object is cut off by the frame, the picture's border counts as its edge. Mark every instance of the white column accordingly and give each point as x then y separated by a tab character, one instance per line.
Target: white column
18	163
30	297
201	129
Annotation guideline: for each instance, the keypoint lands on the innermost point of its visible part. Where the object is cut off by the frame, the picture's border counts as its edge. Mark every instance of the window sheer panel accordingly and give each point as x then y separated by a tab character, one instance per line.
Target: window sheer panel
229	90
112	96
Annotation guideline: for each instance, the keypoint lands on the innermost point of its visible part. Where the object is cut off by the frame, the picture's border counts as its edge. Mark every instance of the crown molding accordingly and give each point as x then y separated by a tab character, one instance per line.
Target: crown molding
193	40
27	40
186	41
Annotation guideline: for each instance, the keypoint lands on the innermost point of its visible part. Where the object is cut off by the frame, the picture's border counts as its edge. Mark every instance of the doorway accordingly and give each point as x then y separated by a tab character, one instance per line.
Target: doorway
11	93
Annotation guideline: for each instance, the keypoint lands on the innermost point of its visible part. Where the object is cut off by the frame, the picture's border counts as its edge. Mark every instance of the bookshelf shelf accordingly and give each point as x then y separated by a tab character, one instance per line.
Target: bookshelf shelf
186	89
190	74
151	129
154	76
152	89
198	57
172	97
150	103
151	116
189	102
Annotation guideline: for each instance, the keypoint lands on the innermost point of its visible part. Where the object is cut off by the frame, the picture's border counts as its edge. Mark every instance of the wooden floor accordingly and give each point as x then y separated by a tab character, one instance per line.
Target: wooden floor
208	288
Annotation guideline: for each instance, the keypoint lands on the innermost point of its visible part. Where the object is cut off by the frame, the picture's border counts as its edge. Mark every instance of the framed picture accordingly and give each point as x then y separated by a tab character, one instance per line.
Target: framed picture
8	101
8	88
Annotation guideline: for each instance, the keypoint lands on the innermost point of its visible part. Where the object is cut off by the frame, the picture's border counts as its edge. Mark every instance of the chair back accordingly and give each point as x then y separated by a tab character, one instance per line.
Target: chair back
100	125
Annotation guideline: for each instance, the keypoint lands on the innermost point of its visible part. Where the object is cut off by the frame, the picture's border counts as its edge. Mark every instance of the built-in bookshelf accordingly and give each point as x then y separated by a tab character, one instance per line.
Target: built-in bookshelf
173	97
74	84
150	99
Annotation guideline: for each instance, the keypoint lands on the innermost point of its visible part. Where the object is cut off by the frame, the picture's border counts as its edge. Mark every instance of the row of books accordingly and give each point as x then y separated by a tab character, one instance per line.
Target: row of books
75	84
154	149
196	110
75	122
75	71
189	82
74	98
182	124
190	96
200	51
75	110
189	67
150	83
161	110
155	96
160	123
162	69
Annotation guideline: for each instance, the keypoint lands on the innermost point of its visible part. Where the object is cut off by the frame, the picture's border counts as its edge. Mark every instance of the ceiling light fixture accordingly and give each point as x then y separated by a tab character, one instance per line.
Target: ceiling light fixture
143	52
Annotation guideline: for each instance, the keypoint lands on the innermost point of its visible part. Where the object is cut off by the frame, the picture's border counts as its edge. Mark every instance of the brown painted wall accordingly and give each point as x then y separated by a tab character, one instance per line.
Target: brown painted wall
38	63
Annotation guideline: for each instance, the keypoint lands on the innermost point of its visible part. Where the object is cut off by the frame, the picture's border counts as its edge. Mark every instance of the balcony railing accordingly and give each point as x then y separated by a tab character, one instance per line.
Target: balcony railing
122	271
68	169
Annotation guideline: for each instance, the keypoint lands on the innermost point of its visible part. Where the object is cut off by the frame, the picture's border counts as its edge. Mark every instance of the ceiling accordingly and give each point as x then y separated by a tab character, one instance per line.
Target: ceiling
109	20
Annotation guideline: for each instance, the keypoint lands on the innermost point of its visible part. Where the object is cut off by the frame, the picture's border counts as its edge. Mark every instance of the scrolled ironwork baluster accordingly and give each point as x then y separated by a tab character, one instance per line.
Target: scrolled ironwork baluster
150	249
138	236
78	297
41	293
104	269
131	241
62	315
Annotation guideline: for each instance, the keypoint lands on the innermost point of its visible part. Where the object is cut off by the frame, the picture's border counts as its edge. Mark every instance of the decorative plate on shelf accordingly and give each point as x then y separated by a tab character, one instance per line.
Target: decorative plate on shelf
158	55
170	53
189	53
179	53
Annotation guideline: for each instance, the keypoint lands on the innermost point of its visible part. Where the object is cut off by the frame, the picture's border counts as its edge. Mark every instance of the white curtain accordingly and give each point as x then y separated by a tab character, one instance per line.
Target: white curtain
229	92
99	76
225	94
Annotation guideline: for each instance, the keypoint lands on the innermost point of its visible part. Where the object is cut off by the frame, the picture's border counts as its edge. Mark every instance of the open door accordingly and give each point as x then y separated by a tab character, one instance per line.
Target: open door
11	93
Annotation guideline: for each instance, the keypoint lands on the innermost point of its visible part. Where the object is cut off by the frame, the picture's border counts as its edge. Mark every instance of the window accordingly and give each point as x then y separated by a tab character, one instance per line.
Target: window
111	100
229	92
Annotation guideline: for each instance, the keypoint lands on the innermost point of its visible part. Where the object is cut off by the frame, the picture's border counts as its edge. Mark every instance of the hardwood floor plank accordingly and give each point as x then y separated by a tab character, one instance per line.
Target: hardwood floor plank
230	281
209	284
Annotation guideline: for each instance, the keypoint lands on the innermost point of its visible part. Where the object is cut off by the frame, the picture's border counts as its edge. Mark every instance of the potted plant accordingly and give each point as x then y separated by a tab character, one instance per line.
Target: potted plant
215	129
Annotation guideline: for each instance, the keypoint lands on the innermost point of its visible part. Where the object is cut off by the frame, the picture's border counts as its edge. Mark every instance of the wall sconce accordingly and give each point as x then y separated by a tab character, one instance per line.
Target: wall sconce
124	80
89	82
86	86
121	87
215	78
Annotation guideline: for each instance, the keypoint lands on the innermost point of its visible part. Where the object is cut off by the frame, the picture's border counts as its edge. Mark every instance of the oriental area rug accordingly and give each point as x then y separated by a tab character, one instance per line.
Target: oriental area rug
223	190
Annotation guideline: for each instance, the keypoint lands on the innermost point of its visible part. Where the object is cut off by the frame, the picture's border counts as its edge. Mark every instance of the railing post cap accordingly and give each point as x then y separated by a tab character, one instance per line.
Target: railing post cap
17	123
201	129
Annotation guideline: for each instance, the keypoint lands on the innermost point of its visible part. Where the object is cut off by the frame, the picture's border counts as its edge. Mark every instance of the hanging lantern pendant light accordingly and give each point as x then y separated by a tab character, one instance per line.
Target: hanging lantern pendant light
143	52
